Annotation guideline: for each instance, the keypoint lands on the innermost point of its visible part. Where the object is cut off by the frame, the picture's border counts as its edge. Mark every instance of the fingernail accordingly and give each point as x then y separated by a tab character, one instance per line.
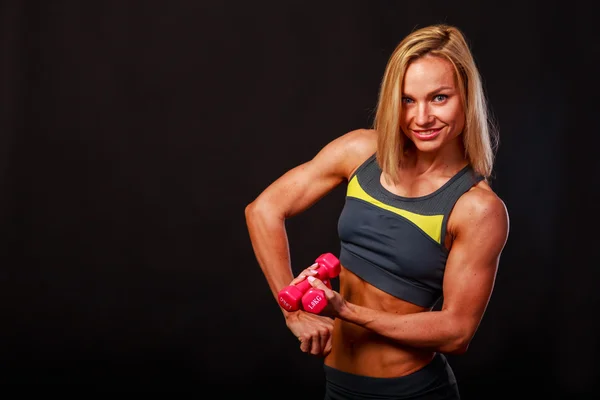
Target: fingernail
311	278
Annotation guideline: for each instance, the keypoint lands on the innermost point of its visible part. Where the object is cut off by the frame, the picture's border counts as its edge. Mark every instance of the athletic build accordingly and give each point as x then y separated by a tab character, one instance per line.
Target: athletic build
420	223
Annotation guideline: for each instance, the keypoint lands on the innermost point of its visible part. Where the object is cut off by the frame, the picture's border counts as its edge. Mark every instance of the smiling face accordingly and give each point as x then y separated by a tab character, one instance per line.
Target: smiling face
432	110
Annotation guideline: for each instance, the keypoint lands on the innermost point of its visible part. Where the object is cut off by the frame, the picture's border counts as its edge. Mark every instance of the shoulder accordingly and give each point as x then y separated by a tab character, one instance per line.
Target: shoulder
351	149
480	203
359	142
481	210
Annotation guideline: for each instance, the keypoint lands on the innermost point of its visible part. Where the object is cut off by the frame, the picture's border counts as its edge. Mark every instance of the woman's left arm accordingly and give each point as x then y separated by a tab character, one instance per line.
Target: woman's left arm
480	226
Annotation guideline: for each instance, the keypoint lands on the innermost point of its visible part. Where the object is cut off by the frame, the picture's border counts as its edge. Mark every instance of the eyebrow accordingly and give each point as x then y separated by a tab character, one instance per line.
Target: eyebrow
435	91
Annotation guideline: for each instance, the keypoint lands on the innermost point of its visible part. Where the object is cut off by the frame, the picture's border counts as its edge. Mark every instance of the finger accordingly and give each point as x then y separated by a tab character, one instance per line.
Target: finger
324	340
317	283
316	347
305	344
299	278
314	267
307	272
327	348
312	270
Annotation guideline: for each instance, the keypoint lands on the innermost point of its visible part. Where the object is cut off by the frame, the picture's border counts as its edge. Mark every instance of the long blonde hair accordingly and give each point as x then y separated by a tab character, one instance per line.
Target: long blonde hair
480	136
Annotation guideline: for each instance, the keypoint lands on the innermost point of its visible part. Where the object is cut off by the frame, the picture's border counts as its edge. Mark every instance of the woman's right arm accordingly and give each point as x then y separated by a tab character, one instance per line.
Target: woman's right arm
292	193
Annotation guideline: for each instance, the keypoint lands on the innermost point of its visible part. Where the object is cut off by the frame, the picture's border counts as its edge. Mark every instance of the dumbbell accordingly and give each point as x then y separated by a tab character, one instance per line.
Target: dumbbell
291	297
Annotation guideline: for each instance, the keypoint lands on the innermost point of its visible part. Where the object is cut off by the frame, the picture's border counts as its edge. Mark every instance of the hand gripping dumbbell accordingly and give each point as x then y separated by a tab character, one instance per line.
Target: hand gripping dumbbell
292	297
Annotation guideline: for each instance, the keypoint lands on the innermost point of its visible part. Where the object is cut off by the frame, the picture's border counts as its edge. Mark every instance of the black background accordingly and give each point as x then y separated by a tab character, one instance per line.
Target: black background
133	134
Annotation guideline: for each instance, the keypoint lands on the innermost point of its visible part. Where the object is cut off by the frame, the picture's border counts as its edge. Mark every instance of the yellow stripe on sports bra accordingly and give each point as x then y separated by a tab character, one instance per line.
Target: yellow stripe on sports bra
430	224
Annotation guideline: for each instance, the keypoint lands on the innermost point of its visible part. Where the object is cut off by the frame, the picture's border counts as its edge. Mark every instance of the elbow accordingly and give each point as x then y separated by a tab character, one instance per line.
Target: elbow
458	348
249	210
256	207
459	333
459	344
259	209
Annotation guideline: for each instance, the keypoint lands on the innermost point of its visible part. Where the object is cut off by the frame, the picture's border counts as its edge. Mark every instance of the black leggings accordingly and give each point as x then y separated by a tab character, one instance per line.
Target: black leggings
435	381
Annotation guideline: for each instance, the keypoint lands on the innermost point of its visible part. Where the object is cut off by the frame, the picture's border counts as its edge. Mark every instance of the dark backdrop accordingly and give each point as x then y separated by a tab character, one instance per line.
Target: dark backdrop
133	134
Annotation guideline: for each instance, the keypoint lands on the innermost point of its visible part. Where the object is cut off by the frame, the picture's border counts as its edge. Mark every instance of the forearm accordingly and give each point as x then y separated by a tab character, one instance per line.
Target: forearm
435	330
269	242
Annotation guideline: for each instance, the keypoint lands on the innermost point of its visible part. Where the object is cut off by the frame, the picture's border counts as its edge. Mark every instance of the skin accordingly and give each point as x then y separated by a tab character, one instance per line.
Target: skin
364	330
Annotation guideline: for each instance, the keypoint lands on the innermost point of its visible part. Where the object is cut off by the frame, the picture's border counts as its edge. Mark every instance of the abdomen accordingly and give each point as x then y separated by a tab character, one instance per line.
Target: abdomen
360	351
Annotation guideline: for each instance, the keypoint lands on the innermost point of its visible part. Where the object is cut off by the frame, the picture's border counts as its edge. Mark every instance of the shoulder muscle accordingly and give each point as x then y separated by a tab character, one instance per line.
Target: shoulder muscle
347	152
481	216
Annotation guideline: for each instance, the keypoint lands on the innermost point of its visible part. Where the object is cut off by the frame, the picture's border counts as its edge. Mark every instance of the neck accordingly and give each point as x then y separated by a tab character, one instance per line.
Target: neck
449	159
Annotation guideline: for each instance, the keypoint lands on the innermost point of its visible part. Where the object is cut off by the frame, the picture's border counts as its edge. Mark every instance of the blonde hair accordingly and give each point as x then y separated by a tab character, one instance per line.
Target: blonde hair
479	135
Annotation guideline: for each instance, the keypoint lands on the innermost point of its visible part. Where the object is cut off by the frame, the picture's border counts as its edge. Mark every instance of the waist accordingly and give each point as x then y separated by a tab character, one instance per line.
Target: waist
434	380
359	351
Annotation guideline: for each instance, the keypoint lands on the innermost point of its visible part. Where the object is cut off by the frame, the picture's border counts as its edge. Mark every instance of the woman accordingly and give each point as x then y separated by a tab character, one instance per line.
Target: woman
420	223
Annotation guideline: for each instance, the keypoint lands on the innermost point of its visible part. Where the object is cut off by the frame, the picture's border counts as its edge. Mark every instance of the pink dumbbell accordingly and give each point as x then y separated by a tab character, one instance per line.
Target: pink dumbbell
291	297
314	300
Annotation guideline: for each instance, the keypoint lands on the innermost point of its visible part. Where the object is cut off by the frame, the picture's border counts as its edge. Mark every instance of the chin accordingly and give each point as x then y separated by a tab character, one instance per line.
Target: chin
427	146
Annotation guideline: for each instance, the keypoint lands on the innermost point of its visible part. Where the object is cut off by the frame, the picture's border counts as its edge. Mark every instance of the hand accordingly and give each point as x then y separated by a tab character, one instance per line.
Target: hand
312	270
335	301
313	332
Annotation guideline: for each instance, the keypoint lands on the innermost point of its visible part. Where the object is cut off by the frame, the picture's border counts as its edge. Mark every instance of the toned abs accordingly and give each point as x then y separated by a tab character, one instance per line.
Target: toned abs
359	351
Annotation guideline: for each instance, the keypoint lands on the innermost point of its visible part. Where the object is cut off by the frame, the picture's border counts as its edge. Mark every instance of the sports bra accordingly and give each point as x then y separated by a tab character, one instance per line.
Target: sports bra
396	243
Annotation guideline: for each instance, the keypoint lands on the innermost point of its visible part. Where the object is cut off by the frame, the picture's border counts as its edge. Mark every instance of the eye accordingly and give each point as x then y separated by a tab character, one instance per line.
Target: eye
440	97
407	100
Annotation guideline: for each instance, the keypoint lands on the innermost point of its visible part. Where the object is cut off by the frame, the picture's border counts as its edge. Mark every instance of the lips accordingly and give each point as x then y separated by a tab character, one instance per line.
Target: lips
429	134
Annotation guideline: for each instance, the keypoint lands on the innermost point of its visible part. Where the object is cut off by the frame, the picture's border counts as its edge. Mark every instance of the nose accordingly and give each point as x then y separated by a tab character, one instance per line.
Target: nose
423	116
